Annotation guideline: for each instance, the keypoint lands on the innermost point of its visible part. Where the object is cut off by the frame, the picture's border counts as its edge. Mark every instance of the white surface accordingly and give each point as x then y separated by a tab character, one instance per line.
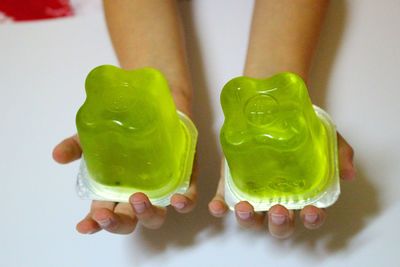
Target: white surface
355	77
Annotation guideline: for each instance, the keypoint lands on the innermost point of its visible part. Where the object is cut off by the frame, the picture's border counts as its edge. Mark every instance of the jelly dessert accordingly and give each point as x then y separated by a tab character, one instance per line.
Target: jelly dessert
132	137
278	147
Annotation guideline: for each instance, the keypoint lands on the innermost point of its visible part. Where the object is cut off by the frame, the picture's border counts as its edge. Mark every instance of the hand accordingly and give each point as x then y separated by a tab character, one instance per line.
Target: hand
121	218
280	219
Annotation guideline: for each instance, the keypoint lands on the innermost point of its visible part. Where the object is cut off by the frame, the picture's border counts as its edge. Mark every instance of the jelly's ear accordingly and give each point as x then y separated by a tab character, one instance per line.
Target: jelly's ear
289	85
150	80
102	77
234	95
151	86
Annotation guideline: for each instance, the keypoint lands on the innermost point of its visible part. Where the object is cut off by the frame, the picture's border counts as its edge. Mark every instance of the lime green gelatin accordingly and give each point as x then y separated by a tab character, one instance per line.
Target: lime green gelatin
132	137
278	149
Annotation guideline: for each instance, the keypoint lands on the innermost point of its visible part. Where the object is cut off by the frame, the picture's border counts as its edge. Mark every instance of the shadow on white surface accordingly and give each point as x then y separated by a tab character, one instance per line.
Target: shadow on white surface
358	201
357	205
328	48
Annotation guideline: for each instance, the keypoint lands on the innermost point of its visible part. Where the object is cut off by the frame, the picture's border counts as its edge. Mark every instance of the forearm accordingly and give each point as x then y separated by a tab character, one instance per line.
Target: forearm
149	34
283	36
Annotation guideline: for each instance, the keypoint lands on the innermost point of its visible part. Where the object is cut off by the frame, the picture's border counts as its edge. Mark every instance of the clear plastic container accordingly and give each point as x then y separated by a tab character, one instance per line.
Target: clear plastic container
279	148
133	138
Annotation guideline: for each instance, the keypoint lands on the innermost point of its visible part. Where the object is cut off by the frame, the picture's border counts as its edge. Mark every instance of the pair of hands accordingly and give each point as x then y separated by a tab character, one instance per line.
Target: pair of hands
122	218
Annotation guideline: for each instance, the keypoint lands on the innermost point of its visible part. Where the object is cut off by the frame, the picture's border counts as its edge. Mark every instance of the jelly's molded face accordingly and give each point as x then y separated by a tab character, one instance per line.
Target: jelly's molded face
270	111
119	98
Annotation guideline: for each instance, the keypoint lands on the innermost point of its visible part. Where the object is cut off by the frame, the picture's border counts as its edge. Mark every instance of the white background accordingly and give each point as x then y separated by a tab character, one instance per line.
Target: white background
355	78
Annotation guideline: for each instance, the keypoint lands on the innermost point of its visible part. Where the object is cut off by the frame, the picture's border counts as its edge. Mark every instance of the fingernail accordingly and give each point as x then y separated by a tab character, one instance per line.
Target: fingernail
244	215
218	213
104	223
139	207
311	218
179	205
278	219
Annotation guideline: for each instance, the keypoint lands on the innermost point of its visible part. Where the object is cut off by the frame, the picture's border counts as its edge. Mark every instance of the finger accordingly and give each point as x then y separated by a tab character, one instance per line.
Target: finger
68	150
120	221
89	225
346	155
246	216
185	203
280	221
312	217
217	205
150	216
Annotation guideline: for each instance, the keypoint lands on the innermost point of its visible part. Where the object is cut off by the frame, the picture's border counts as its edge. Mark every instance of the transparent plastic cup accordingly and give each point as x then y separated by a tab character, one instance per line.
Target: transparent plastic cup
133	138
279	148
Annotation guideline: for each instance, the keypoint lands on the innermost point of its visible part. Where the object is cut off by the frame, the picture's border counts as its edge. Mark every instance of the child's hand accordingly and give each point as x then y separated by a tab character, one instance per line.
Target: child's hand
121	218
280	219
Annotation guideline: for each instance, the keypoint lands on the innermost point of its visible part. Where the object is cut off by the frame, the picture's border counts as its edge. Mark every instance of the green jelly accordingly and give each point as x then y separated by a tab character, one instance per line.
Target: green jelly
278	147
132	137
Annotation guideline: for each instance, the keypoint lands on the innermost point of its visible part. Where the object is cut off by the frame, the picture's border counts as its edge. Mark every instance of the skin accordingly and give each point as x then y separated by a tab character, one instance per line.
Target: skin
137	30
283	37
